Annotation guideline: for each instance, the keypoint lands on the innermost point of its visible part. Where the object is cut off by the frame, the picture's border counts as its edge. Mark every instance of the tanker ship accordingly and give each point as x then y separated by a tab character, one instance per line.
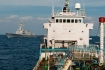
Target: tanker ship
66	44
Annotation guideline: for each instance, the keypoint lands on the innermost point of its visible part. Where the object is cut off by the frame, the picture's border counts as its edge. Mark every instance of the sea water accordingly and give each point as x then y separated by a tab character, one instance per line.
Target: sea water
22	53
19	53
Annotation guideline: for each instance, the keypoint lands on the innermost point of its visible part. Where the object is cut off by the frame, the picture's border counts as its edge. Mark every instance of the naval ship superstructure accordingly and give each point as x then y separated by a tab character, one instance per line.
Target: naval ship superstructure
21	33
66	45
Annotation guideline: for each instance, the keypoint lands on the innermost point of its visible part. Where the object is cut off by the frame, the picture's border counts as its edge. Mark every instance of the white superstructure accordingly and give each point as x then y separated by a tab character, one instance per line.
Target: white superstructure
21	31
66	44
67	27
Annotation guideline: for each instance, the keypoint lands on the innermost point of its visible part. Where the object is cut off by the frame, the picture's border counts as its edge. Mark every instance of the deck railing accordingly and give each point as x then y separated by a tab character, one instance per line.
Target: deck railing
62	61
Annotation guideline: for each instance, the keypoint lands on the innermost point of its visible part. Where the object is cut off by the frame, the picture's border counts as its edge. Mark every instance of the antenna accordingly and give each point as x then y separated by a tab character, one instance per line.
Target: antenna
65	8
52	12
71	1
83	4
77	7
83	10
66	3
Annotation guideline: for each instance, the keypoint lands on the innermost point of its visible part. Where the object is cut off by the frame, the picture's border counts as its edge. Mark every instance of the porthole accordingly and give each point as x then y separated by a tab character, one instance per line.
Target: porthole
81	38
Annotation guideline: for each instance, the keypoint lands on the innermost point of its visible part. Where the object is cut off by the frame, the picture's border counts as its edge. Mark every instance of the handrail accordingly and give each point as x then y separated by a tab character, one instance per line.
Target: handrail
62	61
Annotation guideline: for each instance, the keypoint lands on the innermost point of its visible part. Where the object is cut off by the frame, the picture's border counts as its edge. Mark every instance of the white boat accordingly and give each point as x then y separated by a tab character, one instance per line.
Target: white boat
21	33
66	44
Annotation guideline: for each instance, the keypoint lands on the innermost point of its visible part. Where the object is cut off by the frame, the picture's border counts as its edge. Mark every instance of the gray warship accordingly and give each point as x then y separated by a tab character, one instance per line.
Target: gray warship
21	33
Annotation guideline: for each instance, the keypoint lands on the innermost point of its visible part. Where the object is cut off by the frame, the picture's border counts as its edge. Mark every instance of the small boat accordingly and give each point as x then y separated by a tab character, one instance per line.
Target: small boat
21	33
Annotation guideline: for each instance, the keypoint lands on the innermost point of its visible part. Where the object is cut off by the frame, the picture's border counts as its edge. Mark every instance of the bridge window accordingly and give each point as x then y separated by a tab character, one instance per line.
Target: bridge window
56	20
72	21
79	21
64	20
68	20
76	20
60	20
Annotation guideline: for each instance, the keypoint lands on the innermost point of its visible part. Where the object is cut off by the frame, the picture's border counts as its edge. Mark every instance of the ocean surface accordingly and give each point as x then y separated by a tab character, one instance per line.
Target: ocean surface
19	53
22	53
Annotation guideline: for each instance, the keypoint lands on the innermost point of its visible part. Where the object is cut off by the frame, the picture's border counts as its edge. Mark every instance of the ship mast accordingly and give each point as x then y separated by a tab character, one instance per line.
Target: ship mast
20	26
66	9
66	4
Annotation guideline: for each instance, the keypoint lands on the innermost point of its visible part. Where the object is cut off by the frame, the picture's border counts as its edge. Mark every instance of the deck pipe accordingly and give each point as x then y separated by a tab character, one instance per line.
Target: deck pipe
67	64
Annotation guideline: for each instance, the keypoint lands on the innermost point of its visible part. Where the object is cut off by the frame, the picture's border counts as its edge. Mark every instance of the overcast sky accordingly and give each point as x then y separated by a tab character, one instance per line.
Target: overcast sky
34	13
50	2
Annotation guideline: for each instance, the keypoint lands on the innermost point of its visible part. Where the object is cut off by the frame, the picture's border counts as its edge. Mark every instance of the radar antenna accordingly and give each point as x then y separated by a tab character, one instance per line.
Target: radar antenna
66	3
65	8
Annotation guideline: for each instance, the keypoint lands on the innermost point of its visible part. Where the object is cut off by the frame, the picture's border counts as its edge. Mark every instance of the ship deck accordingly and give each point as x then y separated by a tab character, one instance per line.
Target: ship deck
80	55
55	66
56	62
